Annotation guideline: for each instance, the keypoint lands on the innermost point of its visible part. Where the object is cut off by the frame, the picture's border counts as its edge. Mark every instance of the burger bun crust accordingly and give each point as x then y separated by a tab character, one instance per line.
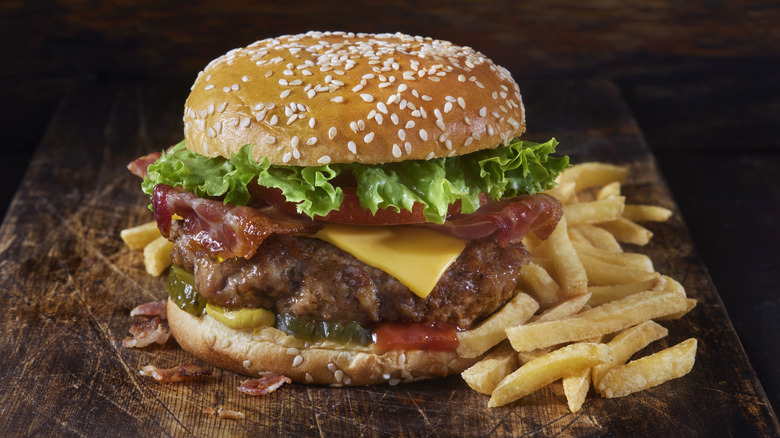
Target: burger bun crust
268	350
334	97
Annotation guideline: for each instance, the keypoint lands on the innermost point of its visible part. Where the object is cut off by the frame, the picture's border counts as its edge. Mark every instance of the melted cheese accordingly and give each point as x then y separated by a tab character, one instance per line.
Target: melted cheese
416	256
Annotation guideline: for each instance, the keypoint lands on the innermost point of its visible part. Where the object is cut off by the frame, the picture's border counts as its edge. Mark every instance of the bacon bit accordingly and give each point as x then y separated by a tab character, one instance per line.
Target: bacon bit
139	166
152	308
146	333
179	373
264	385
222	230
233	415
224	413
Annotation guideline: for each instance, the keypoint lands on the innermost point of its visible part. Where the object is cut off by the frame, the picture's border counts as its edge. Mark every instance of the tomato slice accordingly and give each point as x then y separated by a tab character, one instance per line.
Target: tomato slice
351	212
437	336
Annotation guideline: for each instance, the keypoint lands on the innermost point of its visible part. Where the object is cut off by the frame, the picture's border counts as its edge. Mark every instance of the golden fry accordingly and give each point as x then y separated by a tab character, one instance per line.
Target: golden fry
474	342
547	369
628	231
627	259
601	273
485	375
564	309
594	212
602	320
649	371
140	236
646	213
587	175
569	272
600	238
575	388
604	294
537	281
157	256
626	343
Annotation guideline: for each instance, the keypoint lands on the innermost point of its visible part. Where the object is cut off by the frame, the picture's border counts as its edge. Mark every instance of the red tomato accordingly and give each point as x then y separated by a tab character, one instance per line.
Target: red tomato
436	336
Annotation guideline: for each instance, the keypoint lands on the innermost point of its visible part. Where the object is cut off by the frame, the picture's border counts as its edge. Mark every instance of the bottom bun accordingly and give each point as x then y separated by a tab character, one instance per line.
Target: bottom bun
264	350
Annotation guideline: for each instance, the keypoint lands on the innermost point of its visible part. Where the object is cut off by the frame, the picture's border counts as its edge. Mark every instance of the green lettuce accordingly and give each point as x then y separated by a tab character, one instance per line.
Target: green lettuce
520	168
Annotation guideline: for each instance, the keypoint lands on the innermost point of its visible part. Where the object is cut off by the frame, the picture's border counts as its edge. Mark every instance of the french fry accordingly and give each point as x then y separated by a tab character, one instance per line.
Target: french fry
568	269
646	213
601	273
587	175
473	343
609	190
627	259
547	369
594	212
600	238
604	294
602	320
564	309
485	375
537	282
563	192
628	231
649	371
626	343
140	236
157	256
673	286
575	388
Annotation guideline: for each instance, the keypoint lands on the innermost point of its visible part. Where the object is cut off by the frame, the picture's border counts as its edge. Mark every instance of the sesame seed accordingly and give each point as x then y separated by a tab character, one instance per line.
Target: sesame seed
309	378
437	113
311	141
284	94
209	87
337	99
448	144
311	93
462	102
479	84
367	97
211	132
448	107
490	130
408	147
396	151
379	118
440	124
332	133
286	157
353	126
297	361
222	107
357	88
226	89
294	141
270	139
394	118
415	93
325	159
352	147
483	111
234	87
402	134
274	120
468	141
429	156
269	73
312	122
402	88
296	82
423	135
245	121
410	124
369	137
461	78
361	125
292	118
246	364
339	375
427	98
306	72
288	73
296	154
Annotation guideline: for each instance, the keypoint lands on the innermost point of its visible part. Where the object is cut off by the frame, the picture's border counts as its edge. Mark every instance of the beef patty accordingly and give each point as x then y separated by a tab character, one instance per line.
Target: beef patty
313	279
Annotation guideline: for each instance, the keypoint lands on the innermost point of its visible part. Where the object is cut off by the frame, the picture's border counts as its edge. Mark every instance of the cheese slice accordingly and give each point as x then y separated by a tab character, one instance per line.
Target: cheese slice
416	256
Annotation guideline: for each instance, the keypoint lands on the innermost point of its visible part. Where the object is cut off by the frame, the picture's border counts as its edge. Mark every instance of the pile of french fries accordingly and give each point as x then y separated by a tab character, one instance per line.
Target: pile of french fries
584	307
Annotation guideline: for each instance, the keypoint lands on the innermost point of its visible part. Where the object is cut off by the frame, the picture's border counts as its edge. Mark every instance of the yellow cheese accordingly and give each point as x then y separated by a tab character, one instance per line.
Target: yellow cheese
416	256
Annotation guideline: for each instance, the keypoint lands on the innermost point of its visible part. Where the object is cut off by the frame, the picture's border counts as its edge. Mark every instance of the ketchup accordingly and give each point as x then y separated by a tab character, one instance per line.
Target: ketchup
438	336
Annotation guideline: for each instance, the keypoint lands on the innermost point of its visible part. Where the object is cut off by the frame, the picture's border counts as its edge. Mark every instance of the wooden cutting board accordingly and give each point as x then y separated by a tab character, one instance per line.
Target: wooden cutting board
68	284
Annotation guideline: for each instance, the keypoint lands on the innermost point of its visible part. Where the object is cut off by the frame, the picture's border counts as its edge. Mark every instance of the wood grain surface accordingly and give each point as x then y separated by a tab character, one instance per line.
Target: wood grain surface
69	284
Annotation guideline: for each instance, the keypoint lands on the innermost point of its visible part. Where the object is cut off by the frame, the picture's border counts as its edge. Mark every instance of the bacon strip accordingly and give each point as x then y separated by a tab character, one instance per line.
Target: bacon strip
264	385
222	230
176	374
152	308
510	219
145	333
138	166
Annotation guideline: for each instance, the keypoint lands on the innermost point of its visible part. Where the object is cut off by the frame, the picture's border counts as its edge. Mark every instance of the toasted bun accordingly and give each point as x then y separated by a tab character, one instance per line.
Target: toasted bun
268	350
321	98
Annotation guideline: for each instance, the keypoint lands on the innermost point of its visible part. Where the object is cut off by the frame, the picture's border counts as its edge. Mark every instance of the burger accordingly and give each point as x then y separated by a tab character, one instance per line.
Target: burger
342	205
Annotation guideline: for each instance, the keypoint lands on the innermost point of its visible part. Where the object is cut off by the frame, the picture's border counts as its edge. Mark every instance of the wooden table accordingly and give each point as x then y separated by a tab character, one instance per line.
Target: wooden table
94	86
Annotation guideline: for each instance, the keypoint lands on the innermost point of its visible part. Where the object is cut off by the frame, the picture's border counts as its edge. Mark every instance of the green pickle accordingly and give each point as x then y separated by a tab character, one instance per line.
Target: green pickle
181	289
317	330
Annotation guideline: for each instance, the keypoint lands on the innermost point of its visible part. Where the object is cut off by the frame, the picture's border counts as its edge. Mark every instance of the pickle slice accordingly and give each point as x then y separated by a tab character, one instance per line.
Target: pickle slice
317	330
181	289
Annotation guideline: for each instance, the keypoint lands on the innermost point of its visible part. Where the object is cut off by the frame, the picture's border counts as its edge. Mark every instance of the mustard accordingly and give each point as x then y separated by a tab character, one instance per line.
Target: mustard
241	318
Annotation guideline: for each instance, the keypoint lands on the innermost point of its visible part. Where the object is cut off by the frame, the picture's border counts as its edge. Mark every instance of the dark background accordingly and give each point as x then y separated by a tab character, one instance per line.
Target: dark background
700	77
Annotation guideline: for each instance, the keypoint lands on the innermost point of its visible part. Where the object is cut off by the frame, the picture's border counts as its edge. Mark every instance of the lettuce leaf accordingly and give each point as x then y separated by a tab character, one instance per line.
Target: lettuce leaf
520	168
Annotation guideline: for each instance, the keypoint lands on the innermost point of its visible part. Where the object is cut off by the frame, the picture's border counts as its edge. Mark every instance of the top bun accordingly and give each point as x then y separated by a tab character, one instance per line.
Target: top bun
336	97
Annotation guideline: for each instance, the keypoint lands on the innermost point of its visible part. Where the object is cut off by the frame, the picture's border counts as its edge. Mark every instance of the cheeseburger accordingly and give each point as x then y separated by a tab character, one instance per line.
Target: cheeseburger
343	204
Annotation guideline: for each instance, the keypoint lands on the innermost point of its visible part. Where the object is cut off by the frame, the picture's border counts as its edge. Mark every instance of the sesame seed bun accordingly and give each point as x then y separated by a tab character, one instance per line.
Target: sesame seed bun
319	98
268	350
